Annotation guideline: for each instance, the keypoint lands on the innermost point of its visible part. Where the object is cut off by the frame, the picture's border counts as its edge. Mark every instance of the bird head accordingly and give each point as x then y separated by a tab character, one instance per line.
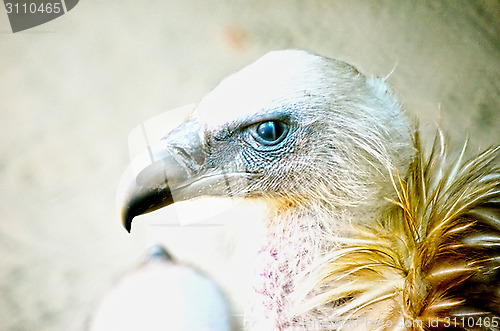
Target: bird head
293	128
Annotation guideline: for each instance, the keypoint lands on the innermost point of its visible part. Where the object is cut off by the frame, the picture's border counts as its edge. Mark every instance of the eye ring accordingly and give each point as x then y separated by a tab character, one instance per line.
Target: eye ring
270	132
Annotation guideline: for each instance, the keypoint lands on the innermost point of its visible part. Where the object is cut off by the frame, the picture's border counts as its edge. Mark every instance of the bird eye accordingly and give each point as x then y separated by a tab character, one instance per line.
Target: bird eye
271	132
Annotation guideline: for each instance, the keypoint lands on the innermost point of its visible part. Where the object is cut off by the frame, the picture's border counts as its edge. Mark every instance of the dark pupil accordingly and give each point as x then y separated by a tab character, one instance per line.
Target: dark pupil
271	130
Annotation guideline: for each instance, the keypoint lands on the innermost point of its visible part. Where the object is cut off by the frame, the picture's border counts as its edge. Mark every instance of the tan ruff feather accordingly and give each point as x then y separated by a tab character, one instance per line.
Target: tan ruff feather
431	262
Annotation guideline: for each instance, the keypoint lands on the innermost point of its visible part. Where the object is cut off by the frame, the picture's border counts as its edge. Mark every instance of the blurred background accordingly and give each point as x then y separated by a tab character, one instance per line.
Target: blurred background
73	89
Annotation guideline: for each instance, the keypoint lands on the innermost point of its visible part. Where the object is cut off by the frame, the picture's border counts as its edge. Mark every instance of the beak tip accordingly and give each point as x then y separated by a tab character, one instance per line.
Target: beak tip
127	220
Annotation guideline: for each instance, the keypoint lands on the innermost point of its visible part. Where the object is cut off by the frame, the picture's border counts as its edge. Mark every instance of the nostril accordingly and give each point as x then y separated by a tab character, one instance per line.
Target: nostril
182	151
191	158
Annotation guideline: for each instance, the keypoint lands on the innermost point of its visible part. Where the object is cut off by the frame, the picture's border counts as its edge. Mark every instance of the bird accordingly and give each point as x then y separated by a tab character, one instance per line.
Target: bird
163	294
368	228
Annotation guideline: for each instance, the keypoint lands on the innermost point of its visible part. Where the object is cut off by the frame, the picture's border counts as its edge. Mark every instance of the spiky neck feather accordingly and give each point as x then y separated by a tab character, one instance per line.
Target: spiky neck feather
427	257
297	237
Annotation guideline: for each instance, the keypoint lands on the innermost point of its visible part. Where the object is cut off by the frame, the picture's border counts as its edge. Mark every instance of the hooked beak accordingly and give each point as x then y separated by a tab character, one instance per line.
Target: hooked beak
172	166
176	170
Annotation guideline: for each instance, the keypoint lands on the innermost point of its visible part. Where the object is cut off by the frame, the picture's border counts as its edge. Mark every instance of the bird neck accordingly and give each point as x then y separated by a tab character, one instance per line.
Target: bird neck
296	238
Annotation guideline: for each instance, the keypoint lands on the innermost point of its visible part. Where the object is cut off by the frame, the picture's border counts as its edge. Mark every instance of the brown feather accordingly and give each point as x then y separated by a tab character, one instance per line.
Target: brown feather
432	261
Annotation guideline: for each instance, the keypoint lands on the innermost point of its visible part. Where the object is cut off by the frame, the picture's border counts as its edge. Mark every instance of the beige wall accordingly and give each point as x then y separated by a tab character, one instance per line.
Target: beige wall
71	90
